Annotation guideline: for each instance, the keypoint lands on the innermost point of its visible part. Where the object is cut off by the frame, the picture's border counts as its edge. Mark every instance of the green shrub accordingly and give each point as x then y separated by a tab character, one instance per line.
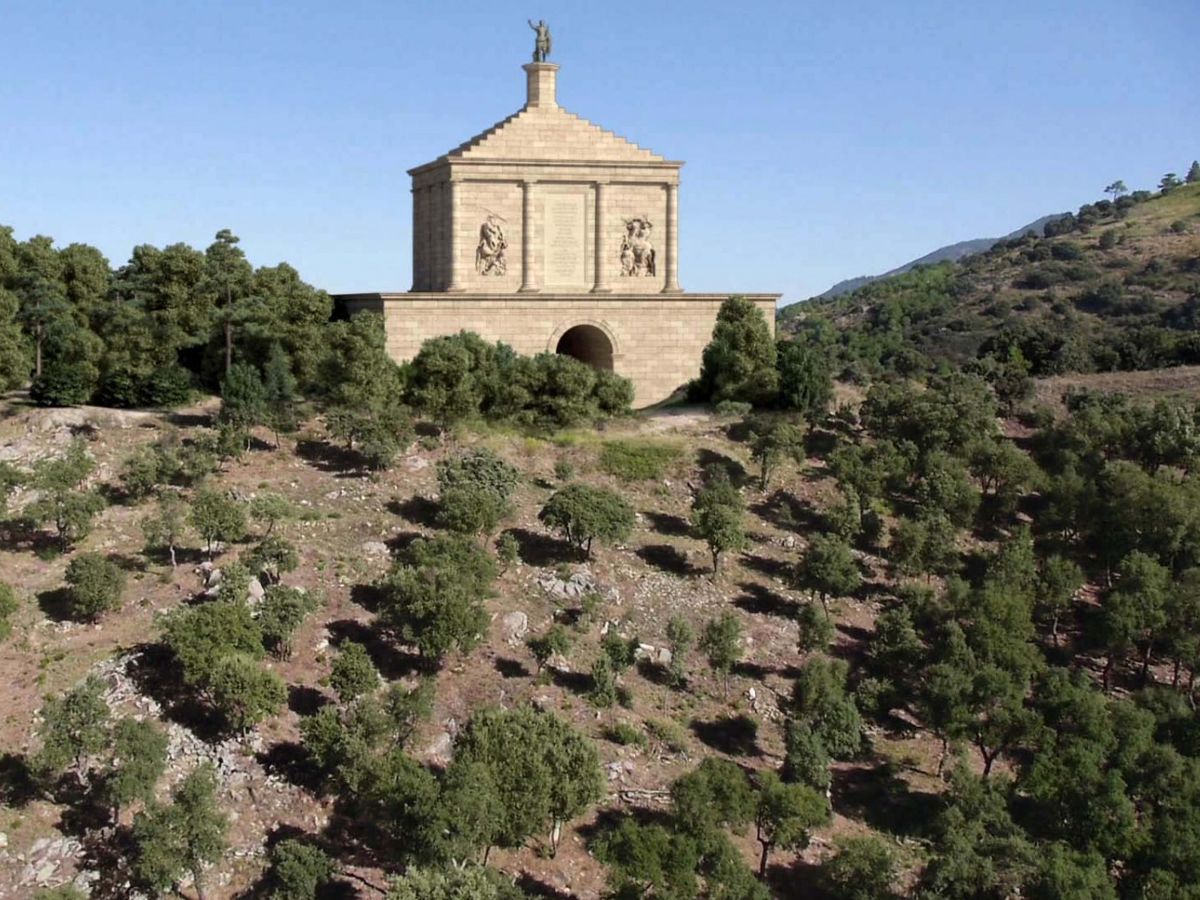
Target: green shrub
637	460
670	734
626	735
95	585
8	606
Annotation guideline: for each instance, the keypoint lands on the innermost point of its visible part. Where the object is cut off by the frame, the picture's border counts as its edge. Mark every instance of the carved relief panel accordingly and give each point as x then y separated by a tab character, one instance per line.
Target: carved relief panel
637	250
489	253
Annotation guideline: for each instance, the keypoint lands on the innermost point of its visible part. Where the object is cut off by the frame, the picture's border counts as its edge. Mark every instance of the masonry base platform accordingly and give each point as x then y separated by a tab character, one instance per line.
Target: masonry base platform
655	340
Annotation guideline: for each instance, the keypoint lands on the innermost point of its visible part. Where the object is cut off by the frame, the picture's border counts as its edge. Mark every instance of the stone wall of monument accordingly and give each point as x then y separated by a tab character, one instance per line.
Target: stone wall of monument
657	341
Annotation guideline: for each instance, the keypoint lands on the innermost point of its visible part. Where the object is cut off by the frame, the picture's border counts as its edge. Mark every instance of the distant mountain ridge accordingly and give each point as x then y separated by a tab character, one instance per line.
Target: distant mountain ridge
951	252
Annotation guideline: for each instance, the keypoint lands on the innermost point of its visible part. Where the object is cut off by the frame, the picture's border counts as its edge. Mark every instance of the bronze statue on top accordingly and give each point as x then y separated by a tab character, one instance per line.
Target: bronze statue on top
541	46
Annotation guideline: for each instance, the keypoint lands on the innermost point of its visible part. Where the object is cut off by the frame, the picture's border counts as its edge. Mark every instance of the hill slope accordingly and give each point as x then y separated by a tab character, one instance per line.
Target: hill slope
1114	287
949	253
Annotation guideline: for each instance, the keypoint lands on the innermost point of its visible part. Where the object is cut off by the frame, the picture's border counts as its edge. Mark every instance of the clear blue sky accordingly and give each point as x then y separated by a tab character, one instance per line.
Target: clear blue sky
822	140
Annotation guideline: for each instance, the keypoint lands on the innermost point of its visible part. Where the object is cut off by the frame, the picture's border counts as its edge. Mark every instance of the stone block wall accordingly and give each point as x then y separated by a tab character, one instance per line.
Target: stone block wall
657	341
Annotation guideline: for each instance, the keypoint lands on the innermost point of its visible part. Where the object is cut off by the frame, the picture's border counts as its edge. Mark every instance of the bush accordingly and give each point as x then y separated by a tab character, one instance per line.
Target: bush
354	674
739	361
95	585
298	870
8	606
281	612
863	869
670	734
584	513
243	692
626	735
637	460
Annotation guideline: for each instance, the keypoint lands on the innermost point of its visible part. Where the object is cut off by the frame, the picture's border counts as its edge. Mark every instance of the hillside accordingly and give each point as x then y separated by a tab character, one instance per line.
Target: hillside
950	253
1115	287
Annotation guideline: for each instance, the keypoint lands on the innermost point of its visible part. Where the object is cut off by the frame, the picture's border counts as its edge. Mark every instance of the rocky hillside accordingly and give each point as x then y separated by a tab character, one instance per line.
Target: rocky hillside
1114	287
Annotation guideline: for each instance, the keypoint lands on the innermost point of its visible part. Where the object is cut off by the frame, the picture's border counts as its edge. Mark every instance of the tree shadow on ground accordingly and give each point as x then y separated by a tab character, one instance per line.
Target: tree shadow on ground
788	513
655	673
156	674
398	543
797	879
667	558
108	854
510	668
291	762
416	509
772	568
609	819
575	682
733	735
537	549
326	457
391	661
536	887
737	473
369	596
190	420
880	797
667	524
755	598
55	604
304	700
752	670
17	784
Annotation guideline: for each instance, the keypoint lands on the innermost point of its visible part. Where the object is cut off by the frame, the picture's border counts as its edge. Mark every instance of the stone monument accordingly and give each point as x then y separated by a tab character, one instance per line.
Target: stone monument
552	234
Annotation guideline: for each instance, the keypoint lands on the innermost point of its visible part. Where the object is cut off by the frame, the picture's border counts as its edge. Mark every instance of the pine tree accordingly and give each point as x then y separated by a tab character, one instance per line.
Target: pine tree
279	393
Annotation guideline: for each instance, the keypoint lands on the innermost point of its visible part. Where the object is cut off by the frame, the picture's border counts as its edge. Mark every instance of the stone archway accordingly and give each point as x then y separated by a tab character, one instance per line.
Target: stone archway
587	343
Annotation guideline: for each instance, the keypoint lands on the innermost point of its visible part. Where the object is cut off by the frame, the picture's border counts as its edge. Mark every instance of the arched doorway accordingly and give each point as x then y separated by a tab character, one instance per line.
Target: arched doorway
588	344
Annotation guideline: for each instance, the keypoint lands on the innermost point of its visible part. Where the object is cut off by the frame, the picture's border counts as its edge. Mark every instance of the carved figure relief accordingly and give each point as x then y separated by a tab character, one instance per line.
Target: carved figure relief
637	253
489	254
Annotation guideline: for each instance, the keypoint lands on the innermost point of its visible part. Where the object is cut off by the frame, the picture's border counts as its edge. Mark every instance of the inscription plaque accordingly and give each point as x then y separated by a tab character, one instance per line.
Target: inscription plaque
565	217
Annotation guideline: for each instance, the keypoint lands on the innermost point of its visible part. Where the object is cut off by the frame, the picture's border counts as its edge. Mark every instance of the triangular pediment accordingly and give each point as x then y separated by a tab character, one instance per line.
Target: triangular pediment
551	134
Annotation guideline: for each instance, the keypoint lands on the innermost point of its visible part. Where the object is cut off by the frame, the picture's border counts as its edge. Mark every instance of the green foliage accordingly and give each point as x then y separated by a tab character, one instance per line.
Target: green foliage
94	584
772	442
636	460
454	883
279	393
298	870
62	892
785	815
805	384
805	759
864	868
815	628
828	568
721	643
273	558
242	691
69	374
545	772
680	636
822	702
74	729
564	470
718	518
739	361
353	674
62	499
9	606
713	796
584	513
649	860
433	596
475	488
508	551
272	509
602	693
199	635
217	517
185	837
281	613
139	752
243	400
1135	611
556	641
626	735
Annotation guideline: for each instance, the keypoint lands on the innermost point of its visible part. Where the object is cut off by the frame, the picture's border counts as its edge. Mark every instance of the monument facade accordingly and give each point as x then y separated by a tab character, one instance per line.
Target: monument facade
550	233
